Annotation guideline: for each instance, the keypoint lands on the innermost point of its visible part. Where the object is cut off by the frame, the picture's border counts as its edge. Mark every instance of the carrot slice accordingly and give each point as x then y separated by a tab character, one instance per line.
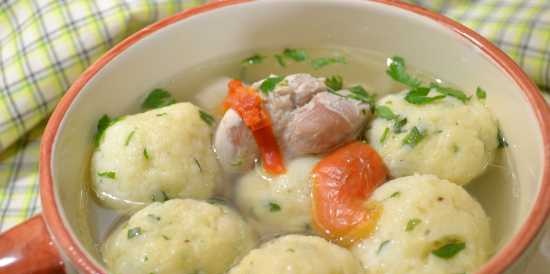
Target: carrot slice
248	104
342	182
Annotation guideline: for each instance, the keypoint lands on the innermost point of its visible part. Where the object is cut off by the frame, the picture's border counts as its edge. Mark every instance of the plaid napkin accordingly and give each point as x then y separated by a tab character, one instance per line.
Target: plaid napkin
45	45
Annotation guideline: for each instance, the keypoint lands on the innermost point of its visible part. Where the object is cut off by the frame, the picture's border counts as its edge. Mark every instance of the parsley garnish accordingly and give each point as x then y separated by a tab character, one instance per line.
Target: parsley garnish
157	98
384	135
419	96
216	200
165	237
399	124
107	174
449	250
448	91
198	164
129	138
269	84
360	94
253	60
161	114
500	139
133	232
455	148
480	93
412	223
397	71
145	153
102	125
384	112
414	137
274	207
207	118
335	82
395	194
280	59
382	245
297	55
321	62
154	217
159	196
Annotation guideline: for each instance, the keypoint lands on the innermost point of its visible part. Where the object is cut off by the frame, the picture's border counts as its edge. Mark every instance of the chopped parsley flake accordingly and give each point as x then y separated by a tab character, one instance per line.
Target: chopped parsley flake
502	143
165	237
395	194
384	135
335	82
480	93
448	91
253	60
133	232
297	55
419	96
107	174
398	72
207	118
360	94
455	148
102	125
161	114
321	62
414	137
216	200
146	154
154	217
274	207
198	164
237	162
384	112
399	124
129	138
412	223
157	98
159	196
269	84
280	59
449	250
382	245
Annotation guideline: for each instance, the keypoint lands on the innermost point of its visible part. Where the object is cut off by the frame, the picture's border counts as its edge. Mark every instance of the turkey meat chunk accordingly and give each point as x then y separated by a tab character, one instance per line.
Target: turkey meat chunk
306	119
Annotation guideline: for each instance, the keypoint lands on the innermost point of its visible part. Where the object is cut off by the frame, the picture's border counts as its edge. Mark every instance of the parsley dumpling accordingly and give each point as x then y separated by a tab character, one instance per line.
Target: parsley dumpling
427	225
178	236
159	154
278	204
453	139
298	254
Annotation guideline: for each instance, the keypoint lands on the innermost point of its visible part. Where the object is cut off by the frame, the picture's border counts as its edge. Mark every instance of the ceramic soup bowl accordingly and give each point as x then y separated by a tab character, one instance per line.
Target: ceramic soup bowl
61	237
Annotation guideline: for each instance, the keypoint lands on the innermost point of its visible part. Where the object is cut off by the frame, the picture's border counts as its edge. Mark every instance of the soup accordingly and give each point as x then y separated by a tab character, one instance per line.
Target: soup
206	87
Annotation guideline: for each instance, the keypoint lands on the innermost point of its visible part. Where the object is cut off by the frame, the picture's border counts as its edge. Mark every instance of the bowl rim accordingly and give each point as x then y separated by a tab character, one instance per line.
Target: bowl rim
504	258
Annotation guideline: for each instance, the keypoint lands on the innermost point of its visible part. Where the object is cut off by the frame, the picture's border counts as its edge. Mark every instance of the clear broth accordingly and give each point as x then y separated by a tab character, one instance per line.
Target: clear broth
205	85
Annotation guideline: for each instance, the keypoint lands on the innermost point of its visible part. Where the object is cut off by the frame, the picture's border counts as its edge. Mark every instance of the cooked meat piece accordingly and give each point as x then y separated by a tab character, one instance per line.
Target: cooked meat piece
306	119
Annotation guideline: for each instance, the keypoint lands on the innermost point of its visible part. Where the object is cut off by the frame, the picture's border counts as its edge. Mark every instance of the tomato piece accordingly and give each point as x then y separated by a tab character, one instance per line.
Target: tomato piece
248	104
342	182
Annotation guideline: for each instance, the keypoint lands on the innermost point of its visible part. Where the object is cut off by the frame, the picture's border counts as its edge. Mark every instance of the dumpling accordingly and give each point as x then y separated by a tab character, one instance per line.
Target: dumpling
298	254
155	155
278	204
449	138
427	226
178	236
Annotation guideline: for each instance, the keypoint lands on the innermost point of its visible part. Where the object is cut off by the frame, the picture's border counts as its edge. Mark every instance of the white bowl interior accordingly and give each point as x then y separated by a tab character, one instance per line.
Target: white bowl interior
118	88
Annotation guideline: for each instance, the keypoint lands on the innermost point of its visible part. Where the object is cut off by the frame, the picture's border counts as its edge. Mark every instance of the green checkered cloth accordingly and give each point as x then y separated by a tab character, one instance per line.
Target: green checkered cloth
45	45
